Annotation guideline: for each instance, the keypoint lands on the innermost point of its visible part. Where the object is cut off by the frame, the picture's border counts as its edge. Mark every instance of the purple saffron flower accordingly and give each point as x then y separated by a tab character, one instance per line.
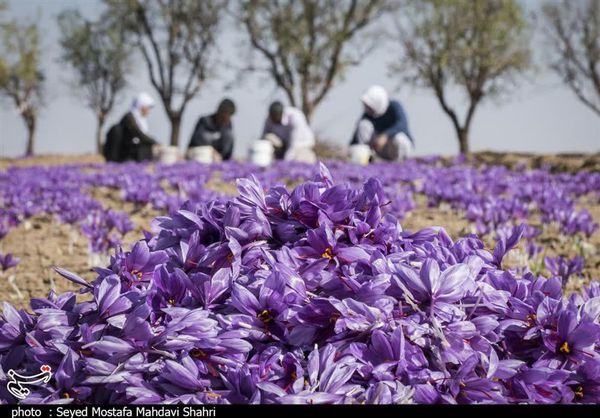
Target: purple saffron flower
585	382
139	264
434	290
7	261
564	269
573	340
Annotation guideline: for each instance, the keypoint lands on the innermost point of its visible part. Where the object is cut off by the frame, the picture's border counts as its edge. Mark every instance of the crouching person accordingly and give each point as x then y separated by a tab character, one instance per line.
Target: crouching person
288	131
216	131
383	126
129	139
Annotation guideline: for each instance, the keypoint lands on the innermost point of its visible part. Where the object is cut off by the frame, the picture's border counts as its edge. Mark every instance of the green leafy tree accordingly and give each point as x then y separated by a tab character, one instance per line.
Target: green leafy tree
307	44
177	41
574	39
476	47
98	55
21	76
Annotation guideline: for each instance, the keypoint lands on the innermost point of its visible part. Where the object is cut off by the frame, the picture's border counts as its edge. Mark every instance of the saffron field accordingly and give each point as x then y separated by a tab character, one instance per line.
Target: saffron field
433	281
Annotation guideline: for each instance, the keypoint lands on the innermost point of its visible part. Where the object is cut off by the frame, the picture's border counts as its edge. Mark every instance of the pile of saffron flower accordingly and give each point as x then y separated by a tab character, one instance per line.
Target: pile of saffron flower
315	295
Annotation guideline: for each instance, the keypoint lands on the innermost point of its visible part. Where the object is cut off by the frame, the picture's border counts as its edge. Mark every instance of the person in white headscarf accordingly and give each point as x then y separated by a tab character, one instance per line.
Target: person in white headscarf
140	108
129	139
383	126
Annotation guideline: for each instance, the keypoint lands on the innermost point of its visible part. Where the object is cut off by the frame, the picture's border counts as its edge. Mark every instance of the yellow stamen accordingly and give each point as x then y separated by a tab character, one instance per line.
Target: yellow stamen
564	348
578	392
197	353
327	254
265	316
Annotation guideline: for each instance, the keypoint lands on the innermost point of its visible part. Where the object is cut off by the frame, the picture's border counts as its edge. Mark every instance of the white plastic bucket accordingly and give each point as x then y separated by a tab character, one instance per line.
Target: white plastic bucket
203	154
360	154
261	153
168	154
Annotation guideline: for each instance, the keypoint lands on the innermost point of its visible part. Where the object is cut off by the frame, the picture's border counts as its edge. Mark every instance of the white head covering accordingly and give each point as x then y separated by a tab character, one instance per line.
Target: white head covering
142	100
377	99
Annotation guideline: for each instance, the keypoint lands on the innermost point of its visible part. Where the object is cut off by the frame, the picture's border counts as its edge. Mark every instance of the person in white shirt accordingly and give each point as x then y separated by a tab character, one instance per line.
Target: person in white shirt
287	129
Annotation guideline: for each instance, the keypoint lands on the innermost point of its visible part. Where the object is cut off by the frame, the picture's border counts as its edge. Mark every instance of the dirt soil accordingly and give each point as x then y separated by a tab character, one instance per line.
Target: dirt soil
43	243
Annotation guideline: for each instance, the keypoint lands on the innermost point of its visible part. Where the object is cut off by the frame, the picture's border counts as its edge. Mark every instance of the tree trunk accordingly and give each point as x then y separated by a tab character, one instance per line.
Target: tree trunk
175	125
101	120
462	132
463	139
30	123
308	110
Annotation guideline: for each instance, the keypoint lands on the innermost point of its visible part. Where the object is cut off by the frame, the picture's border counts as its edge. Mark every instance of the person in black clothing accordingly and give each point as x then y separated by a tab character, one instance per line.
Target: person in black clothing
216	130
128	139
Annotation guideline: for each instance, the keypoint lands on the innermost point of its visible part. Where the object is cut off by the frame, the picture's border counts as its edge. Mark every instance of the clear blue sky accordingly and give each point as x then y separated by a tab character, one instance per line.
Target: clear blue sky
542	115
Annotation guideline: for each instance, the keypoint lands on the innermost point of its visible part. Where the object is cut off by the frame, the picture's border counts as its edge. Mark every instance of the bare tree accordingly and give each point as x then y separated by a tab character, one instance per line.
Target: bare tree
21	77
574	39
477	47
176	39
308	44
97	53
